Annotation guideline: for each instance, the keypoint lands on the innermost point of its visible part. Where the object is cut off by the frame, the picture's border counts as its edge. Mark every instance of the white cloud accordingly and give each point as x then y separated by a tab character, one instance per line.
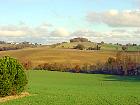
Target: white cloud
87	33
60	32
115	18
113	36
12	33
43	34
23	30
113	12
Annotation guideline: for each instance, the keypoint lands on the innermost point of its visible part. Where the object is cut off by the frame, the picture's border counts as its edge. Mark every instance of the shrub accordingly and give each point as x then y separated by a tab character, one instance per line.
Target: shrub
12	77
79	40
124	48
27	64
98	47
91	48
77	68
80	47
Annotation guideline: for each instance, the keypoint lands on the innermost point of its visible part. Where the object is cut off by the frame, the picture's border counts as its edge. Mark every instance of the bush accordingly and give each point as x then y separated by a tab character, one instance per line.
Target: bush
79	40
12	77
91	48
27	64
80	47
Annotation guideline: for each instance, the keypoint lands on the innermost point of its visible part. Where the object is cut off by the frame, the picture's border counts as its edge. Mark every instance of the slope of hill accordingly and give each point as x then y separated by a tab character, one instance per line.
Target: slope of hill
104	47
55	55
73	44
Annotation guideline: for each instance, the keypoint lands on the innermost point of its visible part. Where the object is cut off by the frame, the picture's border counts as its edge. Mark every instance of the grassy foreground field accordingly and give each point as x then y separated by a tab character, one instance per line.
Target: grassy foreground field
57	88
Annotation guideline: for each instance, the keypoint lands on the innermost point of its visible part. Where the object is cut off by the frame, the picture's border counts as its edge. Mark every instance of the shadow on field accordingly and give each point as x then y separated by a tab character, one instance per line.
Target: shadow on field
123	78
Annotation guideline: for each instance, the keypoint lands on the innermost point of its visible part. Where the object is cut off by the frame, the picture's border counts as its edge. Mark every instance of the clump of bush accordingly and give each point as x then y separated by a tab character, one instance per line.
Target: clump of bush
80	47
79	40
12	77
26	63
53	67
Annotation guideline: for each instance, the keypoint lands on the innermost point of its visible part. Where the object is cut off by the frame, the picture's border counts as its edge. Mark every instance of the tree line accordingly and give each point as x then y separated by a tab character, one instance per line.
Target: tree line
122	64
14	46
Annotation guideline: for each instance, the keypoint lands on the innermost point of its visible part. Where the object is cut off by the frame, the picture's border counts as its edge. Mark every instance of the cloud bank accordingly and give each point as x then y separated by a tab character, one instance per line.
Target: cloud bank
115	18
23	30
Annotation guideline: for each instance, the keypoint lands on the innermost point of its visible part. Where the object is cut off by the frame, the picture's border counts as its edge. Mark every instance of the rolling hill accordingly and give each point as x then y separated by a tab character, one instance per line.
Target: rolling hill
41	55
104	47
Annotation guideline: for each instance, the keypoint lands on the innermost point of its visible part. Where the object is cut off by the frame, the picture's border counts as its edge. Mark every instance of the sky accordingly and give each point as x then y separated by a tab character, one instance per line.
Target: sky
52	21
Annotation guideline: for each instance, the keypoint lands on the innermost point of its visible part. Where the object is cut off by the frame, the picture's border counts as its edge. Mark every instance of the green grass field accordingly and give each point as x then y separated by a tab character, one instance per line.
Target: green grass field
111	47
57	88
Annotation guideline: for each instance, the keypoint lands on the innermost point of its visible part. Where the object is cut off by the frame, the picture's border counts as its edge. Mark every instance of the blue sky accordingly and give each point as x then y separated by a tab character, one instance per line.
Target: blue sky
64	17
36	11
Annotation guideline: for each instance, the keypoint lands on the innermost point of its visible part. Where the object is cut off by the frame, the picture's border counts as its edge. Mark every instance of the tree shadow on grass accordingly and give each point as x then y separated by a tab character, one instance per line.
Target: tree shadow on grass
122	78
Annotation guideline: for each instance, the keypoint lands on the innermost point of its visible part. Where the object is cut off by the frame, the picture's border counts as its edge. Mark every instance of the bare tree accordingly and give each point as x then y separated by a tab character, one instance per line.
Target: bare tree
124	48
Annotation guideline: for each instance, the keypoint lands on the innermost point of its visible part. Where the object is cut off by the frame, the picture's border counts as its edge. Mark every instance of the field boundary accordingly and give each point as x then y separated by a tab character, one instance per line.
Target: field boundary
8	98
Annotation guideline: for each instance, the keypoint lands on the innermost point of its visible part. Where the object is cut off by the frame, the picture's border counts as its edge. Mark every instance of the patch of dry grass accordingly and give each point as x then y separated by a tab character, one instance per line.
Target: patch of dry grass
8	98
42	55
63	56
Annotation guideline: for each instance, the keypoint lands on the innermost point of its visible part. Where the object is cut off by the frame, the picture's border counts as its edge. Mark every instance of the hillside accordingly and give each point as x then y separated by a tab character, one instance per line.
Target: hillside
55	55
104	47
73	44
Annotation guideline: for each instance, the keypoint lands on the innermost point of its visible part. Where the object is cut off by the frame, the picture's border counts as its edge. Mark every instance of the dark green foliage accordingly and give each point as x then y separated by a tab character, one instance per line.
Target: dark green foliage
98	47
80	47
12	77
124	48
79	40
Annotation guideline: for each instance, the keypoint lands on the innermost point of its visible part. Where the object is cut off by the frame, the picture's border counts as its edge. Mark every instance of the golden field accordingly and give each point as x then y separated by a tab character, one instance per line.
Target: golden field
63	56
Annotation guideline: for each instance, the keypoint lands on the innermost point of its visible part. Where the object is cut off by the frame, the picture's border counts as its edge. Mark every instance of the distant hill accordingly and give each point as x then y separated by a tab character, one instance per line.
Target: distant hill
11	46
89	45
73	44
